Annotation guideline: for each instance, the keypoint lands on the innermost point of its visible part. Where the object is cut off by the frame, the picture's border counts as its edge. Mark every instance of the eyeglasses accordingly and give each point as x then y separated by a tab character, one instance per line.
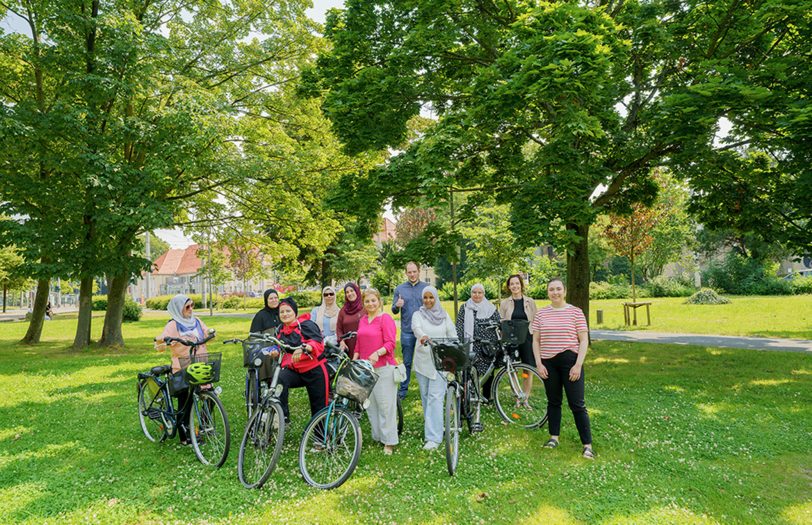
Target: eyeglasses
329	294
189	306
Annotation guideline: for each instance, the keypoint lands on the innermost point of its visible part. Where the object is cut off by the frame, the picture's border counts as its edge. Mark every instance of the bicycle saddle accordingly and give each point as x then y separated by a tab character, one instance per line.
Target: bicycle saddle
160	370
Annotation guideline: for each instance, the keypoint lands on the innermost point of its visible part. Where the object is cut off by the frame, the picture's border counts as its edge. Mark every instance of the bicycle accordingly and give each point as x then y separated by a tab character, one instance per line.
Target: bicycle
264	434
255	349
452	358
515	384
207	422
331	443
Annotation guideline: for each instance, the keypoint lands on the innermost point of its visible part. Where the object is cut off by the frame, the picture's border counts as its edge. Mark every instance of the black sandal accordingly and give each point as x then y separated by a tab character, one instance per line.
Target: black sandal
551	443
588	453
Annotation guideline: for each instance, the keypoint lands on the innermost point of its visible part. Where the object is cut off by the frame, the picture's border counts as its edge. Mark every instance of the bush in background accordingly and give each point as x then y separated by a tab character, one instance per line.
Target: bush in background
662	286
492	289
800	285
132	310
739	275
706	296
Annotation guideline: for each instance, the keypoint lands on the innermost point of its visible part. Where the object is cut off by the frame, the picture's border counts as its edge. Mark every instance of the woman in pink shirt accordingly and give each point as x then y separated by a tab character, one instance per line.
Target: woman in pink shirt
560	341
376	343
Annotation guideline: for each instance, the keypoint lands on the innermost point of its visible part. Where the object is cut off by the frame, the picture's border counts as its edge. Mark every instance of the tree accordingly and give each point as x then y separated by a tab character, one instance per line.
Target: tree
118	118
562	108
11	264
631	236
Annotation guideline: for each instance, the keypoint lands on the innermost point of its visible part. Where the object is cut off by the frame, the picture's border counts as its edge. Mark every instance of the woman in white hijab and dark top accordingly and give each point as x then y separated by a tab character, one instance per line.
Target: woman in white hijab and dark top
326	314
268	317
431	322
183	325
472	316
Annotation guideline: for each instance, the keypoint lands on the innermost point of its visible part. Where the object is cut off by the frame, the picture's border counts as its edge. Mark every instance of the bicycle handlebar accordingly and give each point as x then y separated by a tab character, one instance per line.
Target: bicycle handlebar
267	338
186	342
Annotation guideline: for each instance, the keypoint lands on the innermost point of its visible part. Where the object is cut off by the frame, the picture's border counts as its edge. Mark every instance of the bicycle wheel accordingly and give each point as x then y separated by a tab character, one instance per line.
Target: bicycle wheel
452	428
519	396
152	414
208	426
251	391
471	405
330	447
261	445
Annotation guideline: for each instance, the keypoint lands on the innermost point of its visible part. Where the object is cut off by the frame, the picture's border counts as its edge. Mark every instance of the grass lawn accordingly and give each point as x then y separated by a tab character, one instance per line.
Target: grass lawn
761	316
683	435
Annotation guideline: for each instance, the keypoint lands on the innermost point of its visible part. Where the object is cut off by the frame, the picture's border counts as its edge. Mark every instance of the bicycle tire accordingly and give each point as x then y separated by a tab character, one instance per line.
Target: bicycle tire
327	461
261	445
251	391
471	407
512	404
452	429
152	415
209	430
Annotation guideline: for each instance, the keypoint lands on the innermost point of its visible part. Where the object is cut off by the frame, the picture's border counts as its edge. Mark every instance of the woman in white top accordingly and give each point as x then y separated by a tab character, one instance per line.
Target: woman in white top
326	314
431	322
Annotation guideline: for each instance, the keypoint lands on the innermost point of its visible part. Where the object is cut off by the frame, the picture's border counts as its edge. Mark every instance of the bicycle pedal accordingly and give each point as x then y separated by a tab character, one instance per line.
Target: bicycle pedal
476	428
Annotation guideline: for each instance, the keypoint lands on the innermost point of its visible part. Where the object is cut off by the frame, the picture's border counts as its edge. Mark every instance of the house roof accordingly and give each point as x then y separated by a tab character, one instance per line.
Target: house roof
386	232
178	262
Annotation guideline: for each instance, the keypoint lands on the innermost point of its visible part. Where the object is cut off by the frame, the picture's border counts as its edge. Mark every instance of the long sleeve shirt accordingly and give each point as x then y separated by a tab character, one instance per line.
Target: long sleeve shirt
412	295
374	335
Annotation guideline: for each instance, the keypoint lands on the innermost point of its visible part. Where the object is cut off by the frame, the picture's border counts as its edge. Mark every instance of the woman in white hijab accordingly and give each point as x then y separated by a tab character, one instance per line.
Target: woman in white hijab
431	322
472	316
183	325
326	314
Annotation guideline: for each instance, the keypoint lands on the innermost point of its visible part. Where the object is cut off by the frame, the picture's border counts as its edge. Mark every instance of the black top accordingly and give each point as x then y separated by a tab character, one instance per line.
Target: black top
518	310
267	318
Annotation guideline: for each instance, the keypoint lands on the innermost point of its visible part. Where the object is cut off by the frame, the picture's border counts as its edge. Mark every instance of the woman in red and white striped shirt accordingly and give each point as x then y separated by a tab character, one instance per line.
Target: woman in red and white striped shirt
560	340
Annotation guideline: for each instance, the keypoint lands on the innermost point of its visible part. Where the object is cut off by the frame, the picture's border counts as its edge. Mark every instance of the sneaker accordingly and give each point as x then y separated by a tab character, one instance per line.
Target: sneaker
431	445
388	450
588	453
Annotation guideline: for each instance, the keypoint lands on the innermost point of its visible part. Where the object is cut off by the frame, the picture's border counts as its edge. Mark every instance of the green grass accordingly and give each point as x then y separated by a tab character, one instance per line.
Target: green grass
683	435
759	316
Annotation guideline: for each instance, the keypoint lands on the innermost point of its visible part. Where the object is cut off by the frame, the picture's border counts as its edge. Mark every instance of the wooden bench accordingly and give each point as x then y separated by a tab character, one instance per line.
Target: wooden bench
630	312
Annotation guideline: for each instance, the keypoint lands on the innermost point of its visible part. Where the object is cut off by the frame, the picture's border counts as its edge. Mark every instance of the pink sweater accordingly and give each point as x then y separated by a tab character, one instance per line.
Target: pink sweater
380	333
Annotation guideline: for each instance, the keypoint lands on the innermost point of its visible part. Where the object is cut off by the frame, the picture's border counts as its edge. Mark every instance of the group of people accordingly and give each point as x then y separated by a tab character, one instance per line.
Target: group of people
557	347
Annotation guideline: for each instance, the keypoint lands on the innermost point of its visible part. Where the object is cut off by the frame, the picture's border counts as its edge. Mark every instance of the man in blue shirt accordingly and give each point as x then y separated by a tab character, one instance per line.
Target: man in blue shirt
407	300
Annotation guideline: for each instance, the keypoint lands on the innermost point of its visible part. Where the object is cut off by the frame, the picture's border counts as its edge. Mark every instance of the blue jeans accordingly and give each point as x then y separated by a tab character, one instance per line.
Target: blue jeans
407	341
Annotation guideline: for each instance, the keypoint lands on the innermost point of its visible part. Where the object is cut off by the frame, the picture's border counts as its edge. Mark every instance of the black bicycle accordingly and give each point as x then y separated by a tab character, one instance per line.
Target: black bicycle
331	443
207	422
452	358
518	390
264	434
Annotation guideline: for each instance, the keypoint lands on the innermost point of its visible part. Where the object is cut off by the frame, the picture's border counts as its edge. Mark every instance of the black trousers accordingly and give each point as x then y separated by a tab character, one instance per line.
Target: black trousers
182	414
558	372
316	382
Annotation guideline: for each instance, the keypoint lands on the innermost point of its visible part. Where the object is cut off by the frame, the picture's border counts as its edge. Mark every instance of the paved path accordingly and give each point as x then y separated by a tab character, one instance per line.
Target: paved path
723	341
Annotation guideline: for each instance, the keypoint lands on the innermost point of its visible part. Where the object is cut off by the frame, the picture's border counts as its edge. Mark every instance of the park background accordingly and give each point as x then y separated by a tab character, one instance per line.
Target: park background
641	150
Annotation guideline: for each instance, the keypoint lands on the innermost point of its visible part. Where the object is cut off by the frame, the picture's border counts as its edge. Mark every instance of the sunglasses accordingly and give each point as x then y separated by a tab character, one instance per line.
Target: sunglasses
189	306
329	294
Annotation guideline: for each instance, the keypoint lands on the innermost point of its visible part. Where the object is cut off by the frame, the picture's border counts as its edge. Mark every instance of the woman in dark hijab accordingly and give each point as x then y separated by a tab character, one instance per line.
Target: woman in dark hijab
349	315
268	317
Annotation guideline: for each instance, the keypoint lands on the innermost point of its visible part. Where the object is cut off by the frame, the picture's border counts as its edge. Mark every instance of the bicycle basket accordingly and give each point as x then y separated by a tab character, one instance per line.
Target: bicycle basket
451	355
515	331
254	351
356	380
212	358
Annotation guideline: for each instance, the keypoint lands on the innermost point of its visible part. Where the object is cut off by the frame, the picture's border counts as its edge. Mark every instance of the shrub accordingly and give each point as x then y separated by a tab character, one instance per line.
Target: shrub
662	286
801	285
132	310
305	299
740	275
100	304
604	290
706	296
159	302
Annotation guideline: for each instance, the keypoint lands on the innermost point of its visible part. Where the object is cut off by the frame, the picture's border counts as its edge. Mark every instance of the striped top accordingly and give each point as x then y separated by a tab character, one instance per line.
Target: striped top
558	329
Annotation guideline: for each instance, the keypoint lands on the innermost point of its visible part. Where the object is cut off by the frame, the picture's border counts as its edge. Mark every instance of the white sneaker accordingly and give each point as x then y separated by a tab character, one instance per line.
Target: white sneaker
430	445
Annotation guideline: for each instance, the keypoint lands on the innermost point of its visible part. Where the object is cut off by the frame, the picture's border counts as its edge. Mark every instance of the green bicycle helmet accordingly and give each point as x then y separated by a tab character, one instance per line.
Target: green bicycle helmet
199	373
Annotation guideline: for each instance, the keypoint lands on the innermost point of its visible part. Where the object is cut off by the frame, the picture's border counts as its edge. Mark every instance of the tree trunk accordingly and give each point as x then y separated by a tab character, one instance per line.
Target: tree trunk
82	338
578	269
634	290
37	313
114	315
5	294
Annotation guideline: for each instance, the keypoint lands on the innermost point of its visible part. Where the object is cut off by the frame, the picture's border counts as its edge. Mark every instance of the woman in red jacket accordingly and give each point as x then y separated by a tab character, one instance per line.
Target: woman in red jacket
302	368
